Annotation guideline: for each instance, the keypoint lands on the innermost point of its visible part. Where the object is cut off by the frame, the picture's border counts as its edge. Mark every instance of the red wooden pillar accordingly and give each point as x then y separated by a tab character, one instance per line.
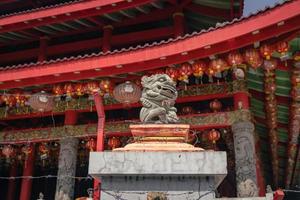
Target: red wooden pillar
241	100
71	117
107	33
26	185
178	19
11	192
43	49
100	138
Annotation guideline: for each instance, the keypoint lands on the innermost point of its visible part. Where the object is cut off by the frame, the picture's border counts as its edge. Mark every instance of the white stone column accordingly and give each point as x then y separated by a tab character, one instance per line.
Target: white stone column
66	169
245	159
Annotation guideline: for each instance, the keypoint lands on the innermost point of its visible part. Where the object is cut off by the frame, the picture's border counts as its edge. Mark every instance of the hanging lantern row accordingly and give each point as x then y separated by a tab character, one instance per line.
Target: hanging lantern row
80	89
252	57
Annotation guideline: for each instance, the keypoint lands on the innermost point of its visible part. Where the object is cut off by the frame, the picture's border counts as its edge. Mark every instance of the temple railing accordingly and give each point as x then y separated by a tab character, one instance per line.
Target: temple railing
214	90
197	121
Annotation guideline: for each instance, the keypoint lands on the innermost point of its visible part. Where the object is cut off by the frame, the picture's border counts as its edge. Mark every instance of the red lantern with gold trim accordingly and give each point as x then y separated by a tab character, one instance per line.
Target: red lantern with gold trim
270	64
184	71
282	47
8	151
199	67
92	87
10	100
250	55
172	73
106	85
187	110
114	142
266	51
79	89
91	144
234	58
215	105
69	89
218	65
58	90
213	136
256	63
26	149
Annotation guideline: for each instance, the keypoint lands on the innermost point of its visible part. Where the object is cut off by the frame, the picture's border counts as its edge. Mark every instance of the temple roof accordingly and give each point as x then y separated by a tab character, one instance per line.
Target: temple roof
195	45
272	23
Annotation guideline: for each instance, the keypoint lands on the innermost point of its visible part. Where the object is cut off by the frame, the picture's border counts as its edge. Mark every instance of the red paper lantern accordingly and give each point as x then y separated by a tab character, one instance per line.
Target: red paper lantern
184	71
187	110
106	85
218	65
10	100
8	151
282	47
17	93
215	105
199	67
270	64
234	58
58	90
213	136
256	63
26	149
92	87
43	148
270	87
91	144
172	73
266	51
251	55
22	100
114	142
79	89
210	71
69	89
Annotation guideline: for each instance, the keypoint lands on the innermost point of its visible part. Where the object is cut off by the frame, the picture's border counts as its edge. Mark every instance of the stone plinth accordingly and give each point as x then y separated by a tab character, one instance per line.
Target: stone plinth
175	175
159	137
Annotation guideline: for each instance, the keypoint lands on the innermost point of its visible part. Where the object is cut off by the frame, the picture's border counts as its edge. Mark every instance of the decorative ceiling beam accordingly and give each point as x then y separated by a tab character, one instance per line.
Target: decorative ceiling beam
82	9
60	49
209	11
294	126
143	18
220	40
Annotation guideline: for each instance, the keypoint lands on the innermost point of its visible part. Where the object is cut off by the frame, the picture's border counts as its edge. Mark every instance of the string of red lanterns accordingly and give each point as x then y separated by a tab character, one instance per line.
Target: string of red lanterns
254	58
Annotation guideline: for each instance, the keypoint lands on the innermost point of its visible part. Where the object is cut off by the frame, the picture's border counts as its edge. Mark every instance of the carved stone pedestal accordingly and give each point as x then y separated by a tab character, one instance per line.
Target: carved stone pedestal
159	165
173	175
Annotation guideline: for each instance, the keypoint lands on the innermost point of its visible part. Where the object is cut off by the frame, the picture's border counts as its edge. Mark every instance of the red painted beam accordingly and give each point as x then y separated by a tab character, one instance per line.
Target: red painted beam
153	16
209	11
82	9
65	48
219	41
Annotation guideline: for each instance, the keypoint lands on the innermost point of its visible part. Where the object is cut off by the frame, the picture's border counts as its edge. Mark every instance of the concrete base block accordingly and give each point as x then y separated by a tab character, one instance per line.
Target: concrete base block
174	175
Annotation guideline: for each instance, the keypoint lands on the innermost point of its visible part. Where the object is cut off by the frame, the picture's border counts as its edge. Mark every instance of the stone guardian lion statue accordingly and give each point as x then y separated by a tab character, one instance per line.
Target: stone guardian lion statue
158	99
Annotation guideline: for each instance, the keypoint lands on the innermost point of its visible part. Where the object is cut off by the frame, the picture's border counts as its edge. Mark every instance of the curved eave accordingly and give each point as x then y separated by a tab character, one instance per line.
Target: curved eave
232	36
64	13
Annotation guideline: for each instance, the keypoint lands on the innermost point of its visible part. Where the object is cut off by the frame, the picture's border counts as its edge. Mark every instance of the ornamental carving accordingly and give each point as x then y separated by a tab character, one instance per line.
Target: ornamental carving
86	104
54	133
